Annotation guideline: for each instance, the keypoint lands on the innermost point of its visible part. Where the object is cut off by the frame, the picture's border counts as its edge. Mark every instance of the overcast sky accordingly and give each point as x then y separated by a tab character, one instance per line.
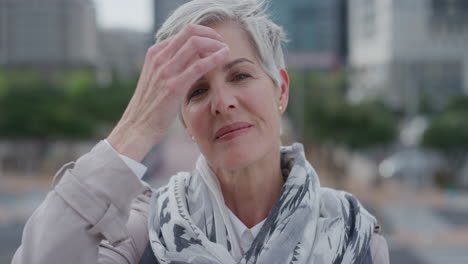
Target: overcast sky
132	14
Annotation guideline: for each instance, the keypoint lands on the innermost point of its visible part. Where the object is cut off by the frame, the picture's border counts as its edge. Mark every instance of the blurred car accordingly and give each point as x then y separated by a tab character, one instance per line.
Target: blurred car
416	167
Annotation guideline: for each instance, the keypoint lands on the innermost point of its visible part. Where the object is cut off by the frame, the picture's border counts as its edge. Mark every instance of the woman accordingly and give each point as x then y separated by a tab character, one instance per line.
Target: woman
219	64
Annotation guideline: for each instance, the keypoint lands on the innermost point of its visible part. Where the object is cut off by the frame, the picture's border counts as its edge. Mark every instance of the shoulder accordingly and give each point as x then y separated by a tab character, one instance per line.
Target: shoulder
333	202
379	248
339	201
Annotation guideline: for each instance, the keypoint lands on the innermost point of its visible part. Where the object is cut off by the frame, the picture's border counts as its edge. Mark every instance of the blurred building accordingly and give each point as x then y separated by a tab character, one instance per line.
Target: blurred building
47	33
316	29
122	52
408	52
163	9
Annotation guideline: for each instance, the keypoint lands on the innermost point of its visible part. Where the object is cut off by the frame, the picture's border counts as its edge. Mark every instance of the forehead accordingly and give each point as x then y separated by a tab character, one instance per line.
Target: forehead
240	45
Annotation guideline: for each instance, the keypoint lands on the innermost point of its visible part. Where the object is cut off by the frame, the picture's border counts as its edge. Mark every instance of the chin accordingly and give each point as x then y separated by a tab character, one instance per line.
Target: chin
239	156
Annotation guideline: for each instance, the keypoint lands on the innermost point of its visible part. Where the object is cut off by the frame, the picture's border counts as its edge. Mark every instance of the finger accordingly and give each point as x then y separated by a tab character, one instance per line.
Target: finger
147	68
147	71
180	38
159	46
199	68
194	48
197	57
194	30
151	54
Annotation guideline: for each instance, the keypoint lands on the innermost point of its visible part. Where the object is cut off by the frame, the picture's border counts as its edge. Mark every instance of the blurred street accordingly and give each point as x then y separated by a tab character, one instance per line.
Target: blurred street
421	226
428	227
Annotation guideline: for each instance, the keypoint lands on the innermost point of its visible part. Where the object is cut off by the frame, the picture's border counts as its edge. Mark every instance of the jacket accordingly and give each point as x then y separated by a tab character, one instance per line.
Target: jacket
97	213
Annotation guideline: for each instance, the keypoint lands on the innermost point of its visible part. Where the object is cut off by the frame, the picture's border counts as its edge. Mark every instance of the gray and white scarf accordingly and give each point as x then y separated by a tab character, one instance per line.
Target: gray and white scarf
189	222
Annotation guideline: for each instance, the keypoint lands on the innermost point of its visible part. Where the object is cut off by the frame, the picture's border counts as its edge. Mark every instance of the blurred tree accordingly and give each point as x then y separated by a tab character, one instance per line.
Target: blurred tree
72	106
458	103
22	79
448	133
3	84
448	130
330	118
356	126
42	112
112	99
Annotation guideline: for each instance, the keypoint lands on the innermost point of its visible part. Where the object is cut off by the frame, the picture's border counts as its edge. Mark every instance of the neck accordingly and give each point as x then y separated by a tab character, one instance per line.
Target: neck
251	192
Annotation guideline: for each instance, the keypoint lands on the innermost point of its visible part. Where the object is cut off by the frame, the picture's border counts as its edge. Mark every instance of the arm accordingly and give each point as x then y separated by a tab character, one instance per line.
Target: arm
91	203
137	226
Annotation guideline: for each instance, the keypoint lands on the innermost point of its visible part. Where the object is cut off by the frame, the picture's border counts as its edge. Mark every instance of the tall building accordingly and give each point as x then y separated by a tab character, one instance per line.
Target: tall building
316	30
48	33
405	52
122	52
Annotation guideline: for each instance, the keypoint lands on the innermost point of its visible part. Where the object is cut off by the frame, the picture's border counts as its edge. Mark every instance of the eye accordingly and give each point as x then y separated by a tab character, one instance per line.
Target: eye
197	92
241	76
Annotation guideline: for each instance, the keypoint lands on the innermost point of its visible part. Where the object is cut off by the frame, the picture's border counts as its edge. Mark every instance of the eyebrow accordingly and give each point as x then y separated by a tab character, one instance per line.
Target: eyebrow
234	62
230	65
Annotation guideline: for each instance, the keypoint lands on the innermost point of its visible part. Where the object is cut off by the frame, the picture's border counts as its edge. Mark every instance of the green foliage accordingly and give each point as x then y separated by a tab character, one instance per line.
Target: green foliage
71	106
3	84
448	130
459	103
330	118
40	113
448	133
356	126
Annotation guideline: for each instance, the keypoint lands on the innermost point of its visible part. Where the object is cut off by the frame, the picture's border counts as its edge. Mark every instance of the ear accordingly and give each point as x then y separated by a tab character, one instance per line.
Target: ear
283	91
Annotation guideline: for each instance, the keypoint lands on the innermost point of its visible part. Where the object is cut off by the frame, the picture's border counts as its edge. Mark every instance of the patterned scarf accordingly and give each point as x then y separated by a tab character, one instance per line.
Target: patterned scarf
189	222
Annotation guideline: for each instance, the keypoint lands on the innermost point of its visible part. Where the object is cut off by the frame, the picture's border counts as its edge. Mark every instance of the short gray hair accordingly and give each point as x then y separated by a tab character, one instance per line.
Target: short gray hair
266	36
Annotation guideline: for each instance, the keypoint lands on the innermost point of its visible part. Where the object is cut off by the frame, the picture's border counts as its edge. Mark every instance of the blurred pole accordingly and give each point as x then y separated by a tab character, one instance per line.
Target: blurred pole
298	106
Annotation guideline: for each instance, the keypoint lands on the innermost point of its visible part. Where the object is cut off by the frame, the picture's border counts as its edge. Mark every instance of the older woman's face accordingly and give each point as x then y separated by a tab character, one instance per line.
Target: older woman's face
232	112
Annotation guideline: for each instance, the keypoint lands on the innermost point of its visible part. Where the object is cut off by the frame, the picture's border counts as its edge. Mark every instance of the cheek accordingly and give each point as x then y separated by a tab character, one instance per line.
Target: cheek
196	120
264	104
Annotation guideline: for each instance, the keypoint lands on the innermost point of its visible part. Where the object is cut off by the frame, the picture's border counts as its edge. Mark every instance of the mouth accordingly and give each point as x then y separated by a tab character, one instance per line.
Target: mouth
232	130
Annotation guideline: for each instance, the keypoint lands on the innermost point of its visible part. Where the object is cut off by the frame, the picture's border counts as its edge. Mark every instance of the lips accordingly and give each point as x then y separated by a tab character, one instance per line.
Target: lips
225	130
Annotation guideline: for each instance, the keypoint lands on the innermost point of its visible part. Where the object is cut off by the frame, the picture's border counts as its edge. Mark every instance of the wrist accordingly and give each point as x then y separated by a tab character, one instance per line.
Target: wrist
132	142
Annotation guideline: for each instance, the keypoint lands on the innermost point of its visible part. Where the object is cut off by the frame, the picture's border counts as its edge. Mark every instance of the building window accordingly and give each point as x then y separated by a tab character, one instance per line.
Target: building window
449	16
369	18
309	28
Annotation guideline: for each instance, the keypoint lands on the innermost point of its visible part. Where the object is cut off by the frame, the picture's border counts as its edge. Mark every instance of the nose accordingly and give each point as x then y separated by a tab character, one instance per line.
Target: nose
222	101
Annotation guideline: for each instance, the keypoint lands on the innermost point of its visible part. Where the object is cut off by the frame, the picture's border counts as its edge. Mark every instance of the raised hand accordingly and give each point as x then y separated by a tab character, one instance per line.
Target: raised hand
169	70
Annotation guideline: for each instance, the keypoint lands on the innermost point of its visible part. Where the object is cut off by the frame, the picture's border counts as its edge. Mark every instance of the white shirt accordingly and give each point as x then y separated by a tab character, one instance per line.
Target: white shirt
244	236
